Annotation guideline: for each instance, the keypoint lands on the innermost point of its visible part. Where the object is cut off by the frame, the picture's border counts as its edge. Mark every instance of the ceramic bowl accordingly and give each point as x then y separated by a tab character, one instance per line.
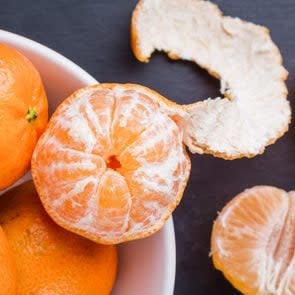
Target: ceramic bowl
146	267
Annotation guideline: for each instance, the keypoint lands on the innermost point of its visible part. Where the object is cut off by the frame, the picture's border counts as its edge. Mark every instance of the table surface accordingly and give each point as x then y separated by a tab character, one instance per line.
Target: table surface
95	35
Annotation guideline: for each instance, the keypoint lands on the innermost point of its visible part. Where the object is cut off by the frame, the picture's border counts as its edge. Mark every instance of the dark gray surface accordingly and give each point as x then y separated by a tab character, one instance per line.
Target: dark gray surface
95	34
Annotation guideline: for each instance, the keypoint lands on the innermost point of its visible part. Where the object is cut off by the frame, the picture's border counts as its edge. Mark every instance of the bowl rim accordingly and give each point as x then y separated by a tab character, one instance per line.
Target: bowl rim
55	57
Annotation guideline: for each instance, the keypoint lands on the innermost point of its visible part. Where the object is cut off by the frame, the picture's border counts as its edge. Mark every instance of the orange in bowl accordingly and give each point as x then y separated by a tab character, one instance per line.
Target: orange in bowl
111	166
7	267
23	114
49	259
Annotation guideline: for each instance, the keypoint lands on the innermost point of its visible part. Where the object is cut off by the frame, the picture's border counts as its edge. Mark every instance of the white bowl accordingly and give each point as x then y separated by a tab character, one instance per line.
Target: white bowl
146	267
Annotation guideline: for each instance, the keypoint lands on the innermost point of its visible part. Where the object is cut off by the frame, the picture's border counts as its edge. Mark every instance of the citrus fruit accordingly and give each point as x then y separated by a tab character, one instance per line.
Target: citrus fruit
7	267
253	241
49	259
253	111
23	114
111	165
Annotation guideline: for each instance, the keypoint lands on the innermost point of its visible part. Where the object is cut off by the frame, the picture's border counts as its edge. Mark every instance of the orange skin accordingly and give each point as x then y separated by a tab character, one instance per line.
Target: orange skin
23	114
7	267
49	259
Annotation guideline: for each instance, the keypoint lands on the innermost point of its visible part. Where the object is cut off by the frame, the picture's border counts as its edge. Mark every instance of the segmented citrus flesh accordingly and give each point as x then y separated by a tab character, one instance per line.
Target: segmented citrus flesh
111	165
253	241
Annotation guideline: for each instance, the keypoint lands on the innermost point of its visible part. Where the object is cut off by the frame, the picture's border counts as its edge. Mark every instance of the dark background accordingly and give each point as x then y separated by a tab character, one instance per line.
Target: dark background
95	35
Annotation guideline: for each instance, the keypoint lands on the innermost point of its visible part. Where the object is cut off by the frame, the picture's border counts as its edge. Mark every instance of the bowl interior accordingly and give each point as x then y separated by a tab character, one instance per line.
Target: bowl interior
146	267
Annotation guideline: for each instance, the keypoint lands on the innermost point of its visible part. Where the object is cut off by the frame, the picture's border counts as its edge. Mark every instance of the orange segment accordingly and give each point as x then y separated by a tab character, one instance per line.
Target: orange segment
113	203
154	144
86	125
75	175
68	165
253	241
111	165
132	116
154	170
99	113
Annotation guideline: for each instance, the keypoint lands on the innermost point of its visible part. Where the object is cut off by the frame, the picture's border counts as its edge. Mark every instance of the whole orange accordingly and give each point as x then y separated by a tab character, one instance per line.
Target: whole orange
7	267
23	114
49	259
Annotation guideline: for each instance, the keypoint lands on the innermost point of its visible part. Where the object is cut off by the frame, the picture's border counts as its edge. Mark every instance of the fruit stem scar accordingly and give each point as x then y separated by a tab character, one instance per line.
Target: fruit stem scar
113	163
31	115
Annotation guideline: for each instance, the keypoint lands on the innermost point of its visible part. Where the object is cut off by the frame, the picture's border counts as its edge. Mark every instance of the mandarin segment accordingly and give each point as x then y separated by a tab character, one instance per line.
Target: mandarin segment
67	166
99	113
153	167
113	204
133	114
253	241
86	125
111	165
49	259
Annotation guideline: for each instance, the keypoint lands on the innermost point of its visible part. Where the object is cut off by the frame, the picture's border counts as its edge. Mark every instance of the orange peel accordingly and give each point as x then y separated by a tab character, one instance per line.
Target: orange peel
253	111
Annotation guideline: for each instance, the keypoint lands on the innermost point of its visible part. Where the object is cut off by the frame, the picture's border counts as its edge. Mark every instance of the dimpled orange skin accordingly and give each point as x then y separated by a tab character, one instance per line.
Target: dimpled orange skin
49	259
7	267
21	91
